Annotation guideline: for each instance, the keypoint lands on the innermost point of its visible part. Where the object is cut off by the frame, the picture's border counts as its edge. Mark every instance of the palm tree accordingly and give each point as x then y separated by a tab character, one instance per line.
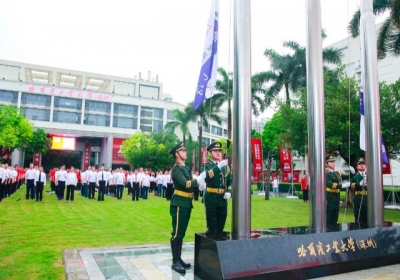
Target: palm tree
225	93
388	41
208	110
181	120
289	71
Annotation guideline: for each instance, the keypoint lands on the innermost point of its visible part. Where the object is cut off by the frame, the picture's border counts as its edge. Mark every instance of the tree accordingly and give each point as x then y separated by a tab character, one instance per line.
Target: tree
388	41
289	71
144	150
181	121
15	130
40	143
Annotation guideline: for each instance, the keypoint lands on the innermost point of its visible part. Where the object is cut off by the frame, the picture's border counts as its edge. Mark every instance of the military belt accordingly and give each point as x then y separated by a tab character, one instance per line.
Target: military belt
184	194
215	190
333	190
361	192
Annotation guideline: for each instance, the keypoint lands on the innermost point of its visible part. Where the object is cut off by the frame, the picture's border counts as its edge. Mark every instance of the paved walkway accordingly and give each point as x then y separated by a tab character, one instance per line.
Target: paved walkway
154	262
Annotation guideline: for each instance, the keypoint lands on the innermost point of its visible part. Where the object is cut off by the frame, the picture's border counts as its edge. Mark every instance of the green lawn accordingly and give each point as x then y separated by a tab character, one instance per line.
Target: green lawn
33	234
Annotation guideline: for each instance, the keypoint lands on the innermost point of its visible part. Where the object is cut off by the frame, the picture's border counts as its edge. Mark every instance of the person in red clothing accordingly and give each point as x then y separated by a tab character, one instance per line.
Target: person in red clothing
304	187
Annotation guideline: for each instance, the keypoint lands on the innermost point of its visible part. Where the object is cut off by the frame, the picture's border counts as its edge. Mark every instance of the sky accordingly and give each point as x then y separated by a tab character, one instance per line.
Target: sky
166	37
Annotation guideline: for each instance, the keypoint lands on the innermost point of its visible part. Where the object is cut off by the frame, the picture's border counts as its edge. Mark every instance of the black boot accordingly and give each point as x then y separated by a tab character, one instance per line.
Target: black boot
176	265
185	265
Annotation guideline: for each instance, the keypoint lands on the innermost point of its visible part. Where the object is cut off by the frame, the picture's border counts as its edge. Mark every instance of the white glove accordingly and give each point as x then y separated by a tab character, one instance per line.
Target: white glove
222	163
201	178
362	183
202	186
345	185
227	195
352	170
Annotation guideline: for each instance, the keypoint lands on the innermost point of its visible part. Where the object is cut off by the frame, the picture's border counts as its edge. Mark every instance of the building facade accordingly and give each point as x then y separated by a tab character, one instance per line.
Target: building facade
84	105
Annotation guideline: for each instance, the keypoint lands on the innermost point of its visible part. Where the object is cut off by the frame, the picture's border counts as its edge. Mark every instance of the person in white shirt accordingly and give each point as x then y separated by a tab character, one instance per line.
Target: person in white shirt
135	185
145	184
92	179
13	176
30	182
61	178
153	183
2	179
72	182
196	191
170	185
159	179
129	182
110	181
40	182
102	178
164	183
120	182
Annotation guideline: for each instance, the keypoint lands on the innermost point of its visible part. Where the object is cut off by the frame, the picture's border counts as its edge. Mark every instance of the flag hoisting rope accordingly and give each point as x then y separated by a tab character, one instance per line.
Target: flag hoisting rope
208	72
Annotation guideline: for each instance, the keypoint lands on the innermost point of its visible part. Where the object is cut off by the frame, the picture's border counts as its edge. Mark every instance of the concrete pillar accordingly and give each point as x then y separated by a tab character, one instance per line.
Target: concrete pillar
110	141
103	152
19	100
83	111
112	115
16	157
51	108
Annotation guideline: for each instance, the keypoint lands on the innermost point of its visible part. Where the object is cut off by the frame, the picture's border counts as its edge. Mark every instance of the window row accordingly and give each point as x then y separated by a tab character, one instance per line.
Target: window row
8	96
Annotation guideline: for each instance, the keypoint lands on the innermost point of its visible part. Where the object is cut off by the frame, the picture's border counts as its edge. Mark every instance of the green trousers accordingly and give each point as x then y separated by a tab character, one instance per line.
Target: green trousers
180	220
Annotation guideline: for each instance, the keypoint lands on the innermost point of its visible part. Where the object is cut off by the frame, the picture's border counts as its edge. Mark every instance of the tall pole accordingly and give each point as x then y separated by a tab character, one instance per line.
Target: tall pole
373	143
316	118
241	120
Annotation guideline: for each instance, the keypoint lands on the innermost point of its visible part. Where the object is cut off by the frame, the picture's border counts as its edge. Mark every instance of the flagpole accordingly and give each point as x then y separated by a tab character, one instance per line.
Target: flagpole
241	119
373	141
316	117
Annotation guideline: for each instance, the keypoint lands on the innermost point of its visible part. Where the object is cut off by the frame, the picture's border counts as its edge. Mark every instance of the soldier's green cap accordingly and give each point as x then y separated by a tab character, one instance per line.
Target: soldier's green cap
360	160
178	147
216	146
329	158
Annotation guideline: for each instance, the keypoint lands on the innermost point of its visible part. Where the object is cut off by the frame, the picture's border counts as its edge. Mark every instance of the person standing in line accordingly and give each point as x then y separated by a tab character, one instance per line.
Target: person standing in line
110	181
334	183
275	186
129	182
359	185
219	189
71	182
40	182
29	181
164	183
153	183
2	179
102	178
159	180
145	184
120	182
92	179
181	205
135	185
61	178
304	187
170	185
52	174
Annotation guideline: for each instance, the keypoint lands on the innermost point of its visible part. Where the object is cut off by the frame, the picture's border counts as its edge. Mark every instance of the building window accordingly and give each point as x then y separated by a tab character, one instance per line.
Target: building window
66	117
123	109
145	128
67	103
125	122
158	113
8	96
206	128
35	99
170	115
216	130
95	106
99	120
146	122
146	112
36	114
158	126
206	141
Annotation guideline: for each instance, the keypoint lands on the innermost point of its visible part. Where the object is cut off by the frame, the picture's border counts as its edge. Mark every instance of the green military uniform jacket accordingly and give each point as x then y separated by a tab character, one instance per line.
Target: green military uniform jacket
219	180
183	186
355	185
334	185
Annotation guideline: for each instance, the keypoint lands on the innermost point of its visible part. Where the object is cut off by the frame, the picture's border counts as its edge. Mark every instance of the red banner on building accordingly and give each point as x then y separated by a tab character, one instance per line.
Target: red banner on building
256	152
86	156
203	155
286	160
37	159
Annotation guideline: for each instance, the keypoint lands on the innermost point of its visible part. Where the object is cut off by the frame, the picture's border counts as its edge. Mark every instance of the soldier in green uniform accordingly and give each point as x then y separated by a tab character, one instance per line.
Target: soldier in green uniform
218	191
359	185
181	205
333	181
